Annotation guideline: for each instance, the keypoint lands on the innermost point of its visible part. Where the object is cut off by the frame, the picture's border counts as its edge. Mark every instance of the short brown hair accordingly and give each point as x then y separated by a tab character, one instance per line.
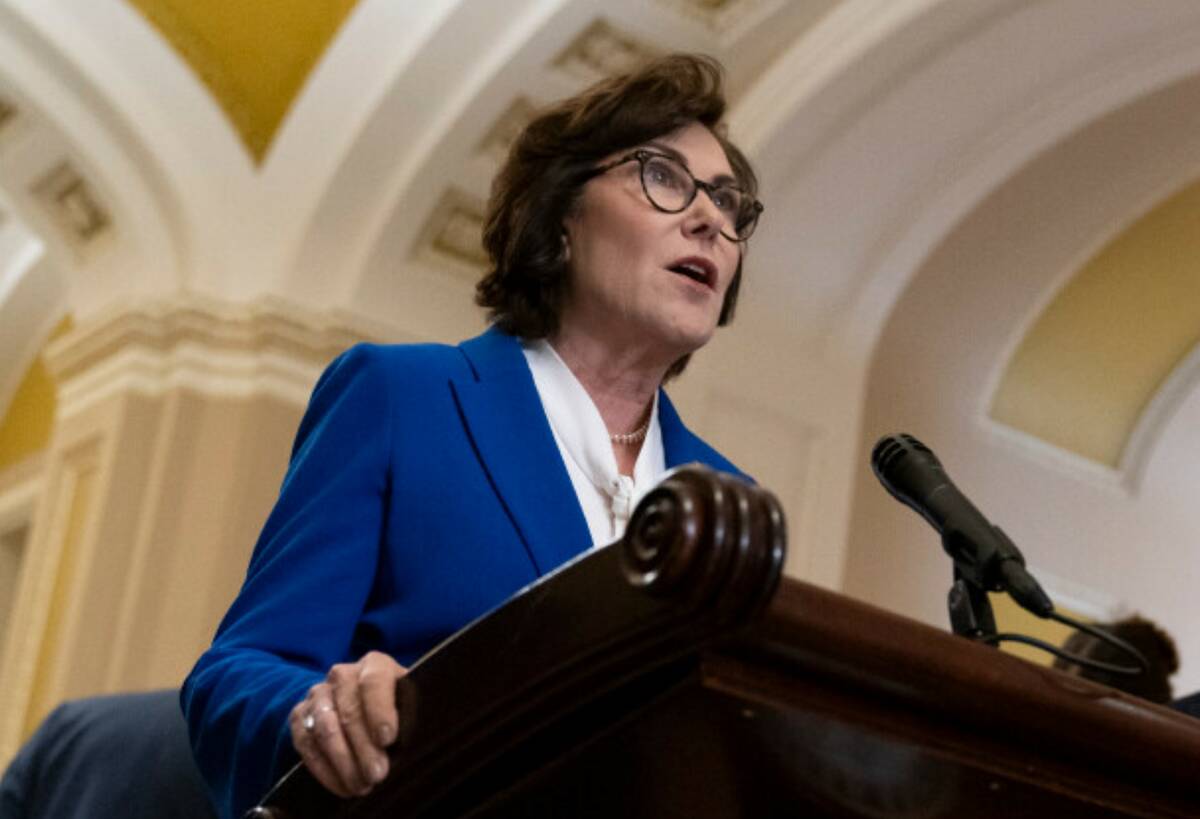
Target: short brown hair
542	178
1156	646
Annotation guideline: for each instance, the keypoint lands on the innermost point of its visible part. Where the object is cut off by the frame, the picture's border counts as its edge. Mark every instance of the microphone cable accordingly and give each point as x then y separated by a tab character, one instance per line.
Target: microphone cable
1075	659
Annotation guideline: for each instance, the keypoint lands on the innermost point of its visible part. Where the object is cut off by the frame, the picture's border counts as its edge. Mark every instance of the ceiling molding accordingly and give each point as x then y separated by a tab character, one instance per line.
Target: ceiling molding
8	114
453	235
722	17
1146	435
77	171
905	82
601	50
506	129
270	347
71	204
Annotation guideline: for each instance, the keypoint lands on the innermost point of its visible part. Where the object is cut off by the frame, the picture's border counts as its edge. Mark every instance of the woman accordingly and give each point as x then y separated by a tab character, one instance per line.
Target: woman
429	483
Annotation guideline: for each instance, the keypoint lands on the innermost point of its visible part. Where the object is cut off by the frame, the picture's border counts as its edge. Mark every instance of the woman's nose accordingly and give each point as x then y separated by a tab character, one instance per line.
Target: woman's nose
703	217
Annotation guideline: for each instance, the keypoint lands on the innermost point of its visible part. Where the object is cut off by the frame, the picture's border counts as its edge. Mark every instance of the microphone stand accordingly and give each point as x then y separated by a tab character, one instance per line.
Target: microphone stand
985	559
970	610
1003	569
987	564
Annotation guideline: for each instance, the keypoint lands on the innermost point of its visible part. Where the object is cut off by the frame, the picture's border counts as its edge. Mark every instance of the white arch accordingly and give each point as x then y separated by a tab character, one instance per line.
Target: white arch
423	124
884	128
66	117
32	300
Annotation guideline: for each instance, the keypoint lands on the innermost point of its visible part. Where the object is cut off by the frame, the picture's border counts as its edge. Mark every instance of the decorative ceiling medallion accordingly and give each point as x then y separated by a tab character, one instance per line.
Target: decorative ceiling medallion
71	205
506	129
454	234
254	57
602	51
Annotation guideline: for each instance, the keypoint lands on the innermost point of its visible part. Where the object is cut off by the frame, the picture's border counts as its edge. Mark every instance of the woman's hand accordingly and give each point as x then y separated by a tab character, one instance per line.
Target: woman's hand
343	725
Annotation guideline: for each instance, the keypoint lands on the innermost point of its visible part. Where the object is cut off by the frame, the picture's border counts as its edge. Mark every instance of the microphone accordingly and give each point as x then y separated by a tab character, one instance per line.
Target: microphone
983	555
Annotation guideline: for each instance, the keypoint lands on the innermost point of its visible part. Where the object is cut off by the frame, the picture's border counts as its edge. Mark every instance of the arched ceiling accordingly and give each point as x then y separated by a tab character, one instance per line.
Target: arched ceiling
134	159
1086	371
252	57
369	109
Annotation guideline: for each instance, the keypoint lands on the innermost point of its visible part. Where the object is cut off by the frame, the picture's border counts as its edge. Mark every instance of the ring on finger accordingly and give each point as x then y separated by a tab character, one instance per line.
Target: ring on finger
309	723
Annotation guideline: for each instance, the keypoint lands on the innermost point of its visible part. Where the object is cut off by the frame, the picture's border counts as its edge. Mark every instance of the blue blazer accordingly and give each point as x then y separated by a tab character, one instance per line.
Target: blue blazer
424	489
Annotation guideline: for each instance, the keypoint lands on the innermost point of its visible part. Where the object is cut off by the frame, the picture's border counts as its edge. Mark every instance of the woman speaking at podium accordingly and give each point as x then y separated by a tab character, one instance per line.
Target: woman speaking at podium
428	483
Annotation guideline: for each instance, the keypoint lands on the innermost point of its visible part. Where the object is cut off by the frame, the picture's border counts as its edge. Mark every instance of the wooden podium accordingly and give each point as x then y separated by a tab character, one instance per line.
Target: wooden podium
675	674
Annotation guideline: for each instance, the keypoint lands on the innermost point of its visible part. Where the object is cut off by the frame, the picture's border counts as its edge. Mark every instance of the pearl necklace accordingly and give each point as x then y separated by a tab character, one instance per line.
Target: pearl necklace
635	437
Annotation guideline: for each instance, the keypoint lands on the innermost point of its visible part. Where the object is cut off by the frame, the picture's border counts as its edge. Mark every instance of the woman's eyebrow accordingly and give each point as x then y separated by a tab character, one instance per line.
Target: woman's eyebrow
669	151
719	179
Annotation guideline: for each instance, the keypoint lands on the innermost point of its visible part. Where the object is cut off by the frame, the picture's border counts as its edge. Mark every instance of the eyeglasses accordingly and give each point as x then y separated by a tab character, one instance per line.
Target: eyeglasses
671	188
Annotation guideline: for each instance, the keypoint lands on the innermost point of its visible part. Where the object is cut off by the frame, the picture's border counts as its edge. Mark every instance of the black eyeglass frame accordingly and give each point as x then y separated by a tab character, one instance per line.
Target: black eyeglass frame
642	156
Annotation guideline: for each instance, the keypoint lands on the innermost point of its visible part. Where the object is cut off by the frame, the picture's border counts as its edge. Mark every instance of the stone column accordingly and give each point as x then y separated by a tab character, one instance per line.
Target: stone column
173	430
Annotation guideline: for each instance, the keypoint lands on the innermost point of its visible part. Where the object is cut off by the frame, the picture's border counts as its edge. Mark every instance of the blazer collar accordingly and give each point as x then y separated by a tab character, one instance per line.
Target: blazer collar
680	446
504	417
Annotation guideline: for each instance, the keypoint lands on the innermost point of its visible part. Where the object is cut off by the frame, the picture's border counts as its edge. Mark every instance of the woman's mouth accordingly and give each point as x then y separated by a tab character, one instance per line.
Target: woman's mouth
697	269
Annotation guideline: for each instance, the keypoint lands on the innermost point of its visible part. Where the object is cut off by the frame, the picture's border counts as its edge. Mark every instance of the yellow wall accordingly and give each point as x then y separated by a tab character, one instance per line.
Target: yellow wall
1086	370
1013	619
25	428
252	56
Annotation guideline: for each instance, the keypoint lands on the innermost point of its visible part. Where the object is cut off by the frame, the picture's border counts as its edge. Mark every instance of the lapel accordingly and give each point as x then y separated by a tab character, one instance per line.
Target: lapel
680	446
506	423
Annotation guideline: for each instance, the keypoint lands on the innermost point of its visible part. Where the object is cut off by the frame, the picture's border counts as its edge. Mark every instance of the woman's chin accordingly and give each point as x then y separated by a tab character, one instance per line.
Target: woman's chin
685	339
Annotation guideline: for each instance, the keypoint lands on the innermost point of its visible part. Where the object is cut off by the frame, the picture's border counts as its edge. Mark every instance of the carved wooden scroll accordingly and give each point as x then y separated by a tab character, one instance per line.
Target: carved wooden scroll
702	555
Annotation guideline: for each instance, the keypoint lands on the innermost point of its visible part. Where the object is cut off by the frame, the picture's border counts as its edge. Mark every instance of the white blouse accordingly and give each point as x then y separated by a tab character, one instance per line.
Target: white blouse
606	496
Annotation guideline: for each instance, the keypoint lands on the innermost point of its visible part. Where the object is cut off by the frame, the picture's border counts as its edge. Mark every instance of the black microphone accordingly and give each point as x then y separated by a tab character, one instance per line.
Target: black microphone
982	553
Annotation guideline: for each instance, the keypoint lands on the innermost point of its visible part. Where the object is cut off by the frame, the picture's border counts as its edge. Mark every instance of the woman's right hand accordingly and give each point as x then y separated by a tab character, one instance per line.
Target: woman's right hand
343	727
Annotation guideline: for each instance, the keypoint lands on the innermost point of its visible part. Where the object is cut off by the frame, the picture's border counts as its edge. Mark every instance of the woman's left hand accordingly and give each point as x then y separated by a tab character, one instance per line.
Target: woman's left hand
343	726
